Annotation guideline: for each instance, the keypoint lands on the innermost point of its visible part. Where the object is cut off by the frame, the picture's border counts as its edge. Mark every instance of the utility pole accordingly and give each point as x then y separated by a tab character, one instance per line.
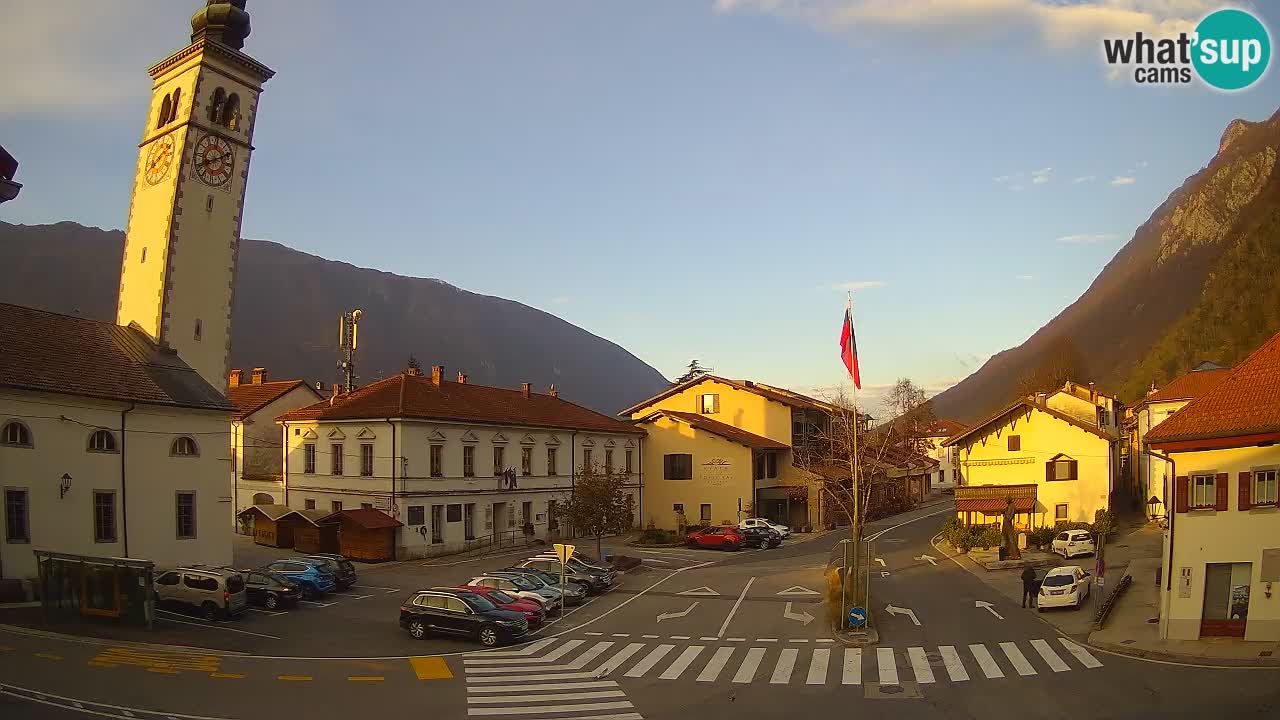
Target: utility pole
348	323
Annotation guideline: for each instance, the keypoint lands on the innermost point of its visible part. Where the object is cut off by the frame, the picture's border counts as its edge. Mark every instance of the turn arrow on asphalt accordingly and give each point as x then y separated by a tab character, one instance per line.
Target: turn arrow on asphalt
932	560
668	616
987	605
802	616
902	611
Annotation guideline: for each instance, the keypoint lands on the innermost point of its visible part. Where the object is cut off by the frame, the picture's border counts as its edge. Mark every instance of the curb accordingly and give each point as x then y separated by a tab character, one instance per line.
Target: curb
90	640
1180	659
865	638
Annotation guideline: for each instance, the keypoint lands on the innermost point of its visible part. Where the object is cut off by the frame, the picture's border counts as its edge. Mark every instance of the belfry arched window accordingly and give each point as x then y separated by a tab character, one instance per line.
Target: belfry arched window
216	104
165	106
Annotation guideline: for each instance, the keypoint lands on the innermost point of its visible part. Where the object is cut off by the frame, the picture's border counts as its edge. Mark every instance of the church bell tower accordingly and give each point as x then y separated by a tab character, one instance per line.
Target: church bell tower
183	238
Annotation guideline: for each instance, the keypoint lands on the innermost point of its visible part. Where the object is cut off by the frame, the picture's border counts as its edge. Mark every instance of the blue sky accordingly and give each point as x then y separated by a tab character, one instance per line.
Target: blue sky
688	178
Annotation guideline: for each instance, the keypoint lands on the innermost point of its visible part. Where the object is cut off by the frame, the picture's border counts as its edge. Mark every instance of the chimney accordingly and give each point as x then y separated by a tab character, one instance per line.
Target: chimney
337	390
524	390
437	374
320	385
259	376
1093	393
412	372
553	392
462	378
234	379
1041	398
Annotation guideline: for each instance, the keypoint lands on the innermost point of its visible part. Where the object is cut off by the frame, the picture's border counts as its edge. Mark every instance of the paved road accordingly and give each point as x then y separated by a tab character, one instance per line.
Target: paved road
697	633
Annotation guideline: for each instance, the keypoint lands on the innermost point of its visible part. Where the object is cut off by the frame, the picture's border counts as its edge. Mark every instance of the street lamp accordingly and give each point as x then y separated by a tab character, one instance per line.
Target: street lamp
65	487
1153	508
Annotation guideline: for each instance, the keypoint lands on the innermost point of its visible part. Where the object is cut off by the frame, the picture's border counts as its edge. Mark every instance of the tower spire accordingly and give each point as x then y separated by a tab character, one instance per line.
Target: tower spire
222	21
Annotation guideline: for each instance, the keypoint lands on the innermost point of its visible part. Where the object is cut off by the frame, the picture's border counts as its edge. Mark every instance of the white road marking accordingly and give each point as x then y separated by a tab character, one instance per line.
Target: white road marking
217	627
682	663
703	591
908	522
594	634
951	659
375	587
655	560
471	679
532	709
316	603
43	698
618	658
735	639
653	658
548	697
353	597
680	637
818	667
548	658
715	664
1017	659
799	640
986	662
485	670
920	665
1051	658
267	612
1080	654
786	663
887	666
622	635
542	687
852	674
529	649
766	639
736	605
585	658
797	590
747	670
650	637
709	638
824	640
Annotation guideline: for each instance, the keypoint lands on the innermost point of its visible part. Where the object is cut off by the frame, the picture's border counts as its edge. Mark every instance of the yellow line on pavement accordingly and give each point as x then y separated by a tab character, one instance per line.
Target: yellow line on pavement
162	670
430	668
366	678
47	656
95	663
295	678
229	676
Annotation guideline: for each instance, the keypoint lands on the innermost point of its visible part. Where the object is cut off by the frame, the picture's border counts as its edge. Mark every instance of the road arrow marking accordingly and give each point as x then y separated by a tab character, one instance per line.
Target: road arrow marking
902	611
668	616
932	560
797	590
987	605
703	591
803	616
881	561
885	573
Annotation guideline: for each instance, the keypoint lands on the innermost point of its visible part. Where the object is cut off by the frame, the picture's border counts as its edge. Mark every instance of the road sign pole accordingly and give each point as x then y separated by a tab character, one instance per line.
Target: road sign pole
844	584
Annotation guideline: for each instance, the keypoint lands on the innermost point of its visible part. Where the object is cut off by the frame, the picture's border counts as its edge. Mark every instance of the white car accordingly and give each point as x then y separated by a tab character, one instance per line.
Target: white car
522	587
1071	543
1065	586
782	530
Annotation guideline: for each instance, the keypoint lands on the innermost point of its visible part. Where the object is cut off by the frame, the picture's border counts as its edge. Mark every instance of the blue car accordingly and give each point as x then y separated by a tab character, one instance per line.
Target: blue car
311	575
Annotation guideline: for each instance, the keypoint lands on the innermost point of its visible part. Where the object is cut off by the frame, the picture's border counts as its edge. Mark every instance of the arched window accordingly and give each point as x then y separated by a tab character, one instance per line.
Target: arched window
231	113
199	329
163	117
173	110
102	441
263	499
216	104
16	434
184	446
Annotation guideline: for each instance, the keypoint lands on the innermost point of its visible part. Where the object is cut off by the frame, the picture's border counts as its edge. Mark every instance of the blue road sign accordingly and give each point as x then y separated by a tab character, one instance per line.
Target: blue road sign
857	617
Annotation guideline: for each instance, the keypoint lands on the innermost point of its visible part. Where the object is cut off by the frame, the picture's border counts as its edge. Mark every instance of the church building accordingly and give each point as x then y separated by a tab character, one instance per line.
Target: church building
114	437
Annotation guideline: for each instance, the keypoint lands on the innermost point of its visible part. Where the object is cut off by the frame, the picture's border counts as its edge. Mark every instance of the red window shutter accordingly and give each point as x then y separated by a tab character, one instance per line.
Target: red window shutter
1182	494
1048	471
1075	473
1246	479
1220	485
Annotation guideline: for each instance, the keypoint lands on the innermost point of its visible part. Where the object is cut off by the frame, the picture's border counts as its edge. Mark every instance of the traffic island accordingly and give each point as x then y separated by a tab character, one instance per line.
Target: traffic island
857	637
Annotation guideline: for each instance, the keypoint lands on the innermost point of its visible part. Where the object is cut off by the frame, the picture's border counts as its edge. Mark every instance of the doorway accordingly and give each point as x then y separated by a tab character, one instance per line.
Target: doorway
469	521
1226	599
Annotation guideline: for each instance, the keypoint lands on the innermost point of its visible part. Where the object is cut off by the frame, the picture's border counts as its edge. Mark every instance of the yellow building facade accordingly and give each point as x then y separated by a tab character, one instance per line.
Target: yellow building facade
719	450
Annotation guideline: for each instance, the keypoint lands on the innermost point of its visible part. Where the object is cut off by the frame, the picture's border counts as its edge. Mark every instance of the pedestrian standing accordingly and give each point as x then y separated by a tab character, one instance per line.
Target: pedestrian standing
1028	587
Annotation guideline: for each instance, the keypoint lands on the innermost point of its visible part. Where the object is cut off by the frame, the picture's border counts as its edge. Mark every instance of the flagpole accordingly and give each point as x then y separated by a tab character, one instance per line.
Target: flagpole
853	455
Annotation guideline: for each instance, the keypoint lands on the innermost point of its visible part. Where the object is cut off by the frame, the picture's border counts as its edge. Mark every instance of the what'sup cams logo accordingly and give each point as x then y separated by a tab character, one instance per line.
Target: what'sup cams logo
1229	50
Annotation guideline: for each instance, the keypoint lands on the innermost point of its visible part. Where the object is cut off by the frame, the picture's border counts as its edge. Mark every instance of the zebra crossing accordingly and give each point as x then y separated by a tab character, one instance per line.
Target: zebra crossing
581	667
531	686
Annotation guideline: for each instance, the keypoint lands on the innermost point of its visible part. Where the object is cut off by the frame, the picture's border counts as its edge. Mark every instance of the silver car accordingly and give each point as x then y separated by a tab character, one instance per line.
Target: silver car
524	587
214	592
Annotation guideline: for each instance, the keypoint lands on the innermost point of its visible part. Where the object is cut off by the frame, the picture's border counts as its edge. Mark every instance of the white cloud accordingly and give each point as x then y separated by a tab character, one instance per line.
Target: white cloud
1084	239
1057	23
859	285
1000	180
1041	176
1083	179
1124	180
1024	278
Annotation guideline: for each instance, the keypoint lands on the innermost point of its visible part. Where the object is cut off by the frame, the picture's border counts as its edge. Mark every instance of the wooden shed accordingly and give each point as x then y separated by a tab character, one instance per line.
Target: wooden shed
365	534
312	531
266	526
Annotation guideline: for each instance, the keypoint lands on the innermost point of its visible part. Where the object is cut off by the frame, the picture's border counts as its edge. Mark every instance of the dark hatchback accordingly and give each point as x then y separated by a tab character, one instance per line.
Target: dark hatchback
271	590
341	568
444	611
760	537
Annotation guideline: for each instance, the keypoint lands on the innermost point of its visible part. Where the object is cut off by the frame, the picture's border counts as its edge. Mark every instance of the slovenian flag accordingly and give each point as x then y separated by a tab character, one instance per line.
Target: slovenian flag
849	347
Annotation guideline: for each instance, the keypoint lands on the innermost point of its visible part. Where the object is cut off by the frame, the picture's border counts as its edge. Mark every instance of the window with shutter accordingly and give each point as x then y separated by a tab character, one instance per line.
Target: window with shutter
1203	492
1245	480
1221	487
1182	494
1015	443
1265	487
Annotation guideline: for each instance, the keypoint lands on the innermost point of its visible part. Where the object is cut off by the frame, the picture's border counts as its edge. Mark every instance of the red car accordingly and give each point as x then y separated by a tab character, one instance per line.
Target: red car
725	537
533	612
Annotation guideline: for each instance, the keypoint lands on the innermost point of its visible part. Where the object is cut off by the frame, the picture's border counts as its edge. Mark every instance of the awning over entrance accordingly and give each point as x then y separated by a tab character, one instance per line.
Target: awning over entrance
991	498
994	505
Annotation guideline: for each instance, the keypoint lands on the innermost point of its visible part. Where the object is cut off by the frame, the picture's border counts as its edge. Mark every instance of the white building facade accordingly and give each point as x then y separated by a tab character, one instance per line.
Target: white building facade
257	463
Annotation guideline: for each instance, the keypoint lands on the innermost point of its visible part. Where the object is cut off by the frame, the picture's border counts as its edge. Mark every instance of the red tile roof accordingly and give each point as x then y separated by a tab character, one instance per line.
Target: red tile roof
1027	403
780	395
943	427
1245	402
68	355
417	397
728	432
1188	386
367	518
251	398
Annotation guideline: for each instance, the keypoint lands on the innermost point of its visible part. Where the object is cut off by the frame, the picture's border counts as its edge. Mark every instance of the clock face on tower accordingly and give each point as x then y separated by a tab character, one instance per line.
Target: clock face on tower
213	160
159	158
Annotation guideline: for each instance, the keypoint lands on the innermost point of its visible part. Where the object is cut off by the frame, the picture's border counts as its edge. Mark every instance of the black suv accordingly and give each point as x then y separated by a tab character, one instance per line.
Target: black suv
459	612
341	568
760	537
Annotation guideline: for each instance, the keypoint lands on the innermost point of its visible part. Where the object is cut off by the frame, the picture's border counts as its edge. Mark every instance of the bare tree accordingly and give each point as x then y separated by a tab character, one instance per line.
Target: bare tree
599	505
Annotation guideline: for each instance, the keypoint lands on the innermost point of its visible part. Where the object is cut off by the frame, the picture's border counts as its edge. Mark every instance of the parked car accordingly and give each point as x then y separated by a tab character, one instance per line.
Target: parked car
214	592
579	558
760	536
575	592
596	579
344	572
524	587
447	611
312	576
271	590
725	537
779	528
1065	586
532	610
1071	543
